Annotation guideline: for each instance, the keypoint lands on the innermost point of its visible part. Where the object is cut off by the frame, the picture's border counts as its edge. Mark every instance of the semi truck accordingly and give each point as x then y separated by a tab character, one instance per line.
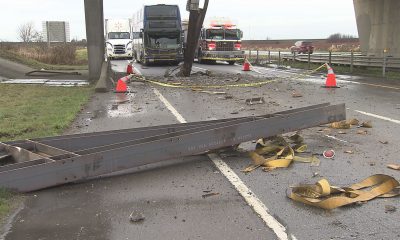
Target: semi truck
157	34
118	38
220	40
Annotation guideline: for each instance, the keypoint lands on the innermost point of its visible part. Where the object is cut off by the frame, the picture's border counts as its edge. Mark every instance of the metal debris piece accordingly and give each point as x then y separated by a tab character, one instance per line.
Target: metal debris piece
213	93
394	166
362	132
52	161
384	142
349	152
209	195
47	73
390	209
297	95
136	217
253	101
367	124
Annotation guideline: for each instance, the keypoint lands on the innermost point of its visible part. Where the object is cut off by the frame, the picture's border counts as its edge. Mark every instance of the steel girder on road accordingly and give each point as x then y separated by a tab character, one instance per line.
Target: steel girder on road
46	162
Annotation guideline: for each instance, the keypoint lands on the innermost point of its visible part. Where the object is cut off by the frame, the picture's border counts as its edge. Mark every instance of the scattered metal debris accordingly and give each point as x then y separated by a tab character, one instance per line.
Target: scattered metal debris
383	142
253	101
297	95
390	209
49	82
394	166
209	195
367	124
349	152
43	72
136	217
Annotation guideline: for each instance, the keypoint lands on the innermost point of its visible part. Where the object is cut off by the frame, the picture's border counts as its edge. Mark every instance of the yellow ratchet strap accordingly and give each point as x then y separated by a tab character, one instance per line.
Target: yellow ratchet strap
325	196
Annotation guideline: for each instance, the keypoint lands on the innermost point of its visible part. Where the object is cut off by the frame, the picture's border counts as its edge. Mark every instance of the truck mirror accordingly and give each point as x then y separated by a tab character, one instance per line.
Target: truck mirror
241	34
141	35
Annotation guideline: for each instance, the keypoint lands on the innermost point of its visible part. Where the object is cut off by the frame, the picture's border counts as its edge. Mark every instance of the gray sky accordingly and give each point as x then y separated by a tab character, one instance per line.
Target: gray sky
259	19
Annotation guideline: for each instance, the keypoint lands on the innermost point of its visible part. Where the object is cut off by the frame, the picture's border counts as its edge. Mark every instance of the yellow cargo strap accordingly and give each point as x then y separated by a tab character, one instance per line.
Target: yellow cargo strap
325	196
279	160
253	84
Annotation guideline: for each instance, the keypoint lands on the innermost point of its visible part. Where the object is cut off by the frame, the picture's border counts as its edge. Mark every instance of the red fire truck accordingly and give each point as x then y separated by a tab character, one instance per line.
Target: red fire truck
220	41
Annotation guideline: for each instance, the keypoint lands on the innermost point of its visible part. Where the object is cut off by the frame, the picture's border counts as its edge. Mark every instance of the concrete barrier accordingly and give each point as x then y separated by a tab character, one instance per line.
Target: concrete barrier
101	85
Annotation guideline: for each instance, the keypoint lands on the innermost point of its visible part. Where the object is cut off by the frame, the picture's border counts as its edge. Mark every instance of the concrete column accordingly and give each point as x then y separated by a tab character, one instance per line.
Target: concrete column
94	36
378	23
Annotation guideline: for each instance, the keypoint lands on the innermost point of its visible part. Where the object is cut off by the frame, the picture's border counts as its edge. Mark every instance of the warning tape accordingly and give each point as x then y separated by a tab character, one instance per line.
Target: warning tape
325	196
254	84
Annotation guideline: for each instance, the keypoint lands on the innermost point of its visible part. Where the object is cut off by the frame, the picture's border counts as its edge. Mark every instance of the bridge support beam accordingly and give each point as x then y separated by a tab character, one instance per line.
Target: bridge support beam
378	23
95	37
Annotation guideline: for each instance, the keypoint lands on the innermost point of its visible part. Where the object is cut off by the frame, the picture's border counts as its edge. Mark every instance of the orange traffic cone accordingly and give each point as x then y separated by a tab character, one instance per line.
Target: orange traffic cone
330	78
122	87
129	69
246	65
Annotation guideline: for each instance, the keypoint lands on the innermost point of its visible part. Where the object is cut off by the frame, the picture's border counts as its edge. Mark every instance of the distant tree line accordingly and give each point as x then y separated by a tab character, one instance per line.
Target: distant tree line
339	37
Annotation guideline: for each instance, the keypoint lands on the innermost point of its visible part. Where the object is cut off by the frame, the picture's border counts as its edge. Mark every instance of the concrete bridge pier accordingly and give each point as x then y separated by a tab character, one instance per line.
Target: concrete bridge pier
378	23
95	37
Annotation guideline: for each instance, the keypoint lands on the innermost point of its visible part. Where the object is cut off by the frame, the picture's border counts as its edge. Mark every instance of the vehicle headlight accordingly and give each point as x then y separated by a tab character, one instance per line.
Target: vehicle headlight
129	46
109	46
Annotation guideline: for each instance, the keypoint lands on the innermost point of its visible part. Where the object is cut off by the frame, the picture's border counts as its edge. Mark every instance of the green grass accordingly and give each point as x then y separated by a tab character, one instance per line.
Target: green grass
5	203
39	65
30	111
81	54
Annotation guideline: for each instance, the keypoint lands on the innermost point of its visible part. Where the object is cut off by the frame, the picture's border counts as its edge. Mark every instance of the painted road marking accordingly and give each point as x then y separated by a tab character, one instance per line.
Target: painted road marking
380	117
251	199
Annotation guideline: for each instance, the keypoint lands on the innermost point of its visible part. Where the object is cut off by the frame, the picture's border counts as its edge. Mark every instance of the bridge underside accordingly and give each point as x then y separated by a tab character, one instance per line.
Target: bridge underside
378	23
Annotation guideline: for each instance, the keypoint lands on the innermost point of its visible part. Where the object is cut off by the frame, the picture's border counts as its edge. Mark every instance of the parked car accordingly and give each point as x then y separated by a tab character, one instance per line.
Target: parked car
302	47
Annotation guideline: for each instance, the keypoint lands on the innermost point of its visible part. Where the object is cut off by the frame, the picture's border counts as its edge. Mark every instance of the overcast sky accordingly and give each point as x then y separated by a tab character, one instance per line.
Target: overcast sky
259	19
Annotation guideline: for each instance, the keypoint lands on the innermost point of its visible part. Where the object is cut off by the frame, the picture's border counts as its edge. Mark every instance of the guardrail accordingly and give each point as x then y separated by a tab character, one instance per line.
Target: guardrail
350	59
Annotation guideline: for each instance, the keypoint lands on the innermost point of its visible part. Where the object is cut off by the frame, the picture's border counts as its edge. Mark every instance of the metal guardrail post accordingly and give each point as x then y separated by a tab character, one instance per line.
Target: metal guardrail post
279	58
269	56
384	64
294	57
352	62
250	55
309	60
257	59
330	57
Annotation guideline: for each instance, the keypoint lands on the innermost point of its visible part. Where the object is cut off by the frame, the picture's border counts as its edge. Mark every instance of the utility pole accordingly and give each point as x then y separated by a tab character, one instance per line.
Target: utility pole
196	19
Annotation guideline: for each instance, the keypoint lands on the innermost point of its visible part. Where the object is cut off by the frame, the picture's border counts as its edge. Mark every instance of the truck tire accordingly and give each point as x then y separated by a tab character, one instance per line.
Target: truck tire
231	62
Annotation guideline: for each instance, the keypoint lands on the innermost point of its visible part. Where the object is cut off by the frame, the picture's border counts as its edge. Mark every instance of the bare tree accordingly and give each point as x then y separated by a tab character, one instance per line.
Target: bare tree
27	32
196	19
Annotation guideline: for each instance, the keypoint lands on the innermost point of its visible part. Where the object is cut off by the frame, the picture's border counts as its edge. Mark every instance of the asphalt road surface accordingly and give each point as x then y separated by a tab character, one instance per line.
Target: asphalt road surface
248	206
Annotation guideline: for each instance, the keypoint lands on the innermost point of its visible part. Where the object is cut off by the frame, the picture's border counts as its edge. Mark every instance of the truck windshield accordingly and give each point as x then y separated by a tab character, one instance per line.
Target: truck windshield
232	34
217	34
161	12
164	41
118	35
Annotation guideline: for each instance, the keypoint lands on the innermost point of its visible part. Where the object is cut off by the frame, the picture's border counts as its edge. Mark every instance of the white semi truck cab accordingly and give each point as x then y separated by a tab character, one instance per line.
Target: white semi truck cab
118	38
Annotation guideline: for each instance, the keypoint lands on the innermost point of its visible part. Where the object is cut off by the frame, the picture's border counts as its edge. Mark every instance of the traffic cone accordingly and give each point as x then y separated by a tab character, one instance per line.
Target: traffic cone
129	69
246	65
122	87
330	78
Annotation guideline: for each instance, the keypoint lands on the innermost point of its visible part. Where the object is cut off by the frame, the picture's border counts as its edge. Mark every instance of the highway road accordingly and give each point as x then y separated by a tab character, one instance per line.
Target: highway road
248	206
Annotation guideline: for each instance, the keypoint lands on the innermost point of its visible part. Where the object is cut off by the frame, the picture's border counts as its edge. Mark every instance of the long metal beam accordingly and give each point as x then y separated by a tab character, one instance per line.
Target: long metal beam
47	162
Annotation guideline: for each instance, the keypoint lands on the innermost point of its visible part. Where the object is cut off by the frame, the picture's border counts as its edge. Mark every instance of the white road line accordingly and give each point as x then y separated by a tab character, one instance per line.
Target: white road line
251	199
380	117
